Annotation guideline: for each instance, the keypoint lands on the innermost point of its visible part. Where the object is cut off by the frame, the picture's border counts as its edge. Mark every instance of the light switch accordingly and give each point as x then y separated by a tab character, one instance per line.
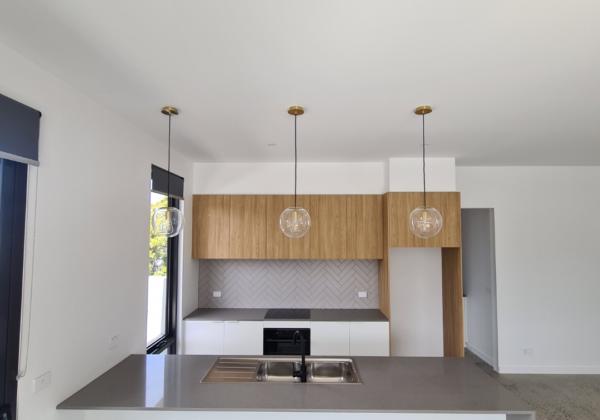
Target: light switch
362	294
216	293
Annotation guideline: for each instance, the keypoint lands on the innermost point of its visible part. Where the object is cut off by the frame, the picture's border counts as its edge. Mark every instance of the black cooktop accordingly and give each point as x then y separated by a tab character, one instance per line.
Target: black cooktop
288	314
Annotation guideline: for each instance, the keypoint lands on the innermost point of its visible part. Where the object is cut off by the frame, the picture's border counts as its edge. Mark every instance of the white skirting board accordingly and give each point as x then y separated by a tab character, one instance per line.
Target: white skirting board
550	370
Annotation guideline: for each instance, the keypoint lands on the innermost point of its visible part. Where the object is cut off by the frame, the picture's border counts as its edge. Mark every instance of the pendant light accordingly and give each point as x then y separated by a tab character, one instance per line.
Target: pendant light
425	222
168	221
294	221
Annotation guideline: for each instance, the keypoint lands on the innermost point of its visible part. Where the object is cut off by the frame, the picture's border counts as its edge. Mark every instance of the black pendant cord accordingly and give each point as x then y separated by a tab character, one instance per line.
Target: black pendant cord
424	191
295	161
169	165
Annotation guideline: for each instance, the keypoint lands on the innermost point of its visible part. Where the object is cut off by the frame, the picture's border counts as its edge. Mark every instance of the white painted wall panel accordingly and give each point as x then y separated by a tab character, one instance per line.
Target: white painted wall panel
278	178
547	265
416	302
89	269
406	174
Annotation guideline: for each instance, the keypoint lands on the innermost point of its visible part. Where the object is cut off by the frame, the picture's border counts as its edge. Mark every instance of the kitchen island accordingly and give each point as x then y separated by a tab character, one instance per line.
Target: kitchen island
141	387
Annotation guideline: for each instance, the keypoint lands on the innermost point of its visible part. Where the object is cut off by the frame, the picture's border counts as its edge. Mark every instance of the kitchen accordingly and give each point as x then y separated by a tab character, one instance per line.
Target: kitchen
234	209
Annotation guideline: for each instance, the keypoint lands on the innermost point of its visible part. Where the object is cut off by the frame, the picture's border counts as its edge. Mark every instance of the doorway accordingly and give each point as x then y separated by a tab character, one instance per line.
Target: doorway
479	284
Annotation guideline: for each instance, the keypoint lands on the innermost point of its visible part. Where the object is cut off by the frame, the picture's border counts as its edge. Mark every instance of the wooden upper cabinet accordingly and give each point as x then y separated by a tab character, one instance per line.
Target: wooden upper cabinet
210	235
399	206
280	246
364	226
328	227
248	226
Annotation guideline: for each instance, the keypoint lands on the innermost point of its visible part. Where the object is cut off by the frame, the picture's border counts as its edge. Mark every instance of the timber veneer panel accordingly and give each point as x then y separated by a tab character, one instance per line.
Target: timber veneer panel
384	271
364	224
452	293
280	246
210	233
248	226
399	206
328	228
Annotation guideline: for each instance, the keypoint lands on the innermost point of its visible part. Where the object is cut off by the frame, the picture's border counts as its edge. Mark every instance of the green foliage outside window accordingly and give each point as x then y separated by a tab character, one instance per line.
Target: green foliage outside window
158	246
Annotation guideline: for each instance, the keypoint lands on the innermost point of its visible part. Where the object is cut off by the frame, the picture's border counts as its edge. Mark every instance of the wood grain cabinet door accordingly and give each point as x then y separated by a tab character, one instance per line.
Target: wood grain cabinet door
328	231
400	204
280	246
364	223
210	234
247	227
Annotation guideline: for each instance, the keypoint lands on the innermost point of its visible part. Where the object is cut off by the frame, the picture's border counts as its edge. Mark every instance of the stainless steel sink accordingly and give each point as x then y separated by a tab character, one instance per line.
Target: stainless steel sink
269	369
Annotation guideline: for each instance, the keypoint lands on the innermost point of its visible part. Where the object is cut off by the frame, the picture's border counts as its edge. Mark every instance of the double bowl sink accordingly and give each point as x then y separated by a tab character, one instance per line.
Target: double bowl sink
281	370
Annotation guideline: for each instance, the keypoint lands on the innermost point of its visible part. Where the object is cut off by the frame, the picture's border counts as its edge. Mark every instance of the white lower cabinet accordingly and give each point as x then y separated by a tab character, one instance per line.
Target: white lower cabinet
369	339
329	338
246	337
223	337
243	337
203	337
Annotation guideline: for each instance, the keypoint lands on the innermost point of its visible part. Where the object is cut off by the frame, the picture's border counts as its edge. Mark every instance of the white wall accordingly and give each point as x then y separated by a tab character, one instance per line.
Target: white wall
397	174
479	283
278	178
406	174
416	302
91	237
547	263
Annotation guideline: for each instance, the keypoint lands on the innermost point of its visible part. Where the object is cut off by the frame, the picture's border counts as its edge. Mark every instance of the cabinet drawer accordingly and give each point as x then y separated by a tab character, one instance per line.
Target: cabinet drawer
330	338
243	338
203	337
369	339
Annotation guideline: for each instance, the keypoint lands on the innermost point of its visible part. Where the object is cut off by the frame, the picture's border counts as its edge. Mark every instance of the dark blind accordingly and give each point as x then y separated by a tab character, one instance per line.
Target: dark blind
19	131
159	182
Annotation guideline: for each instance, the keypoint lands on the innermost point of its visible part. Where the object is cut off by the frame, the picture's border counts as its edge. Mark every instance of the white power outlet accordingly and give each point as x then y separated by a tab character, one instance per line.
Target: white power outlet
42	382
362	294
216	293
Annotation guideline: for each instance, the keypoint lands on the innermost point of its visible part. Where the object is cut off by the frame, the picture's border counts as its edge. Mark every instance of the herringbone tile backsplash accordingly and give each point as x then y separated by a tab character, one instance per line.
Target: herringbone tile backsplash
288	283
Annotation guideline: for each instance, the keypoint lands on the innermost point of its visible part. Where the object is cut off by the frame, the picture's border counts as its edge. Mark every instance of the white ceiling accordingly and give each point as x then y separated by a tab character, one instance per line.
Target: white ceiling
511	81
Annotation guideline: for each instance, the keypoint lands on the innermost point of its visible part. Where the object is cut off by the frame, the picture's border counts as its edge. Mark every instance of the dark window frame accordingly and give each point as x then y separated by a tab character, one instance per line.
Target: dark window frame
169	340
12	249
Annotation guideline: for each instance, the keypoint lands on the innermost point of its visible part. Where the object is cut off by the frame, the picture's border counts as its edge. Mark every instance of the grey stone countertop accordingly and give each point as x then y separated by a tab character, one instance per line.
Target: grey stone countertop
249	314
389	384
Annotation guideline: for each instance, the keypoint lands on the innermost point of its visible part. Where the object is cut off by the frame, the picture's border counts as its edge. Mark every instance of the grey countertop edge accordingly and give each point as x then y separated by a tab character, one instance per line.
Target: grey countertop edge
258	314
425	385
292	410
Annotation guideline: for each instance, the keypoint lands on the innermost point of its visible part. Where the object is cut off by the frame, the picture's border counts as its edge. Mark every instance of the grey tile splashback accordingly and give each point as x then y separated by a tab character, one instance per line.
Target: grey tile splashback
288	283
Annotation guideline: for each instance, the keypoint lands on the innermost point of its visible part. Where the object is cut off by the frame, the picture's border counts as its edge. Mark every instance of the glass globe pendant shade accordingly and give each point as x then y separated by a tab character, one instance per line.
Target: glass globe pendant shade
294	222
167	221
426	222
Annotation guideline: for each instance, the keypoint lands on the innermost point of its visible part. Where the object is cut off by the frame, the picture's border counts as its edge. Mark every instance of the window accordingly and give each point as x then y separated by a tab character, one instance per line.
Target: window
161	321
13	188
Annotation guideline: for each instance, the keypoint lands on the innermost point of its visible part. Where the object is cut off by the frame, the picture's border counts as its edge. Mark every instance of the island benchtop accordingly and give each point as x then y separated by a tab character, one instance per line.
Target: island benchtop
389	384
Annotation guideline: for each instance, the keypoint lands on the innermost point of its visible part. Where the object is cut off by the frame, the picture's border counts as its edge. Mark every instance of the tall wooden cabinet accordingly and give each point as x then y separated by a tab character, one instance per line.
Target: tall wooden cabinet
397	208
